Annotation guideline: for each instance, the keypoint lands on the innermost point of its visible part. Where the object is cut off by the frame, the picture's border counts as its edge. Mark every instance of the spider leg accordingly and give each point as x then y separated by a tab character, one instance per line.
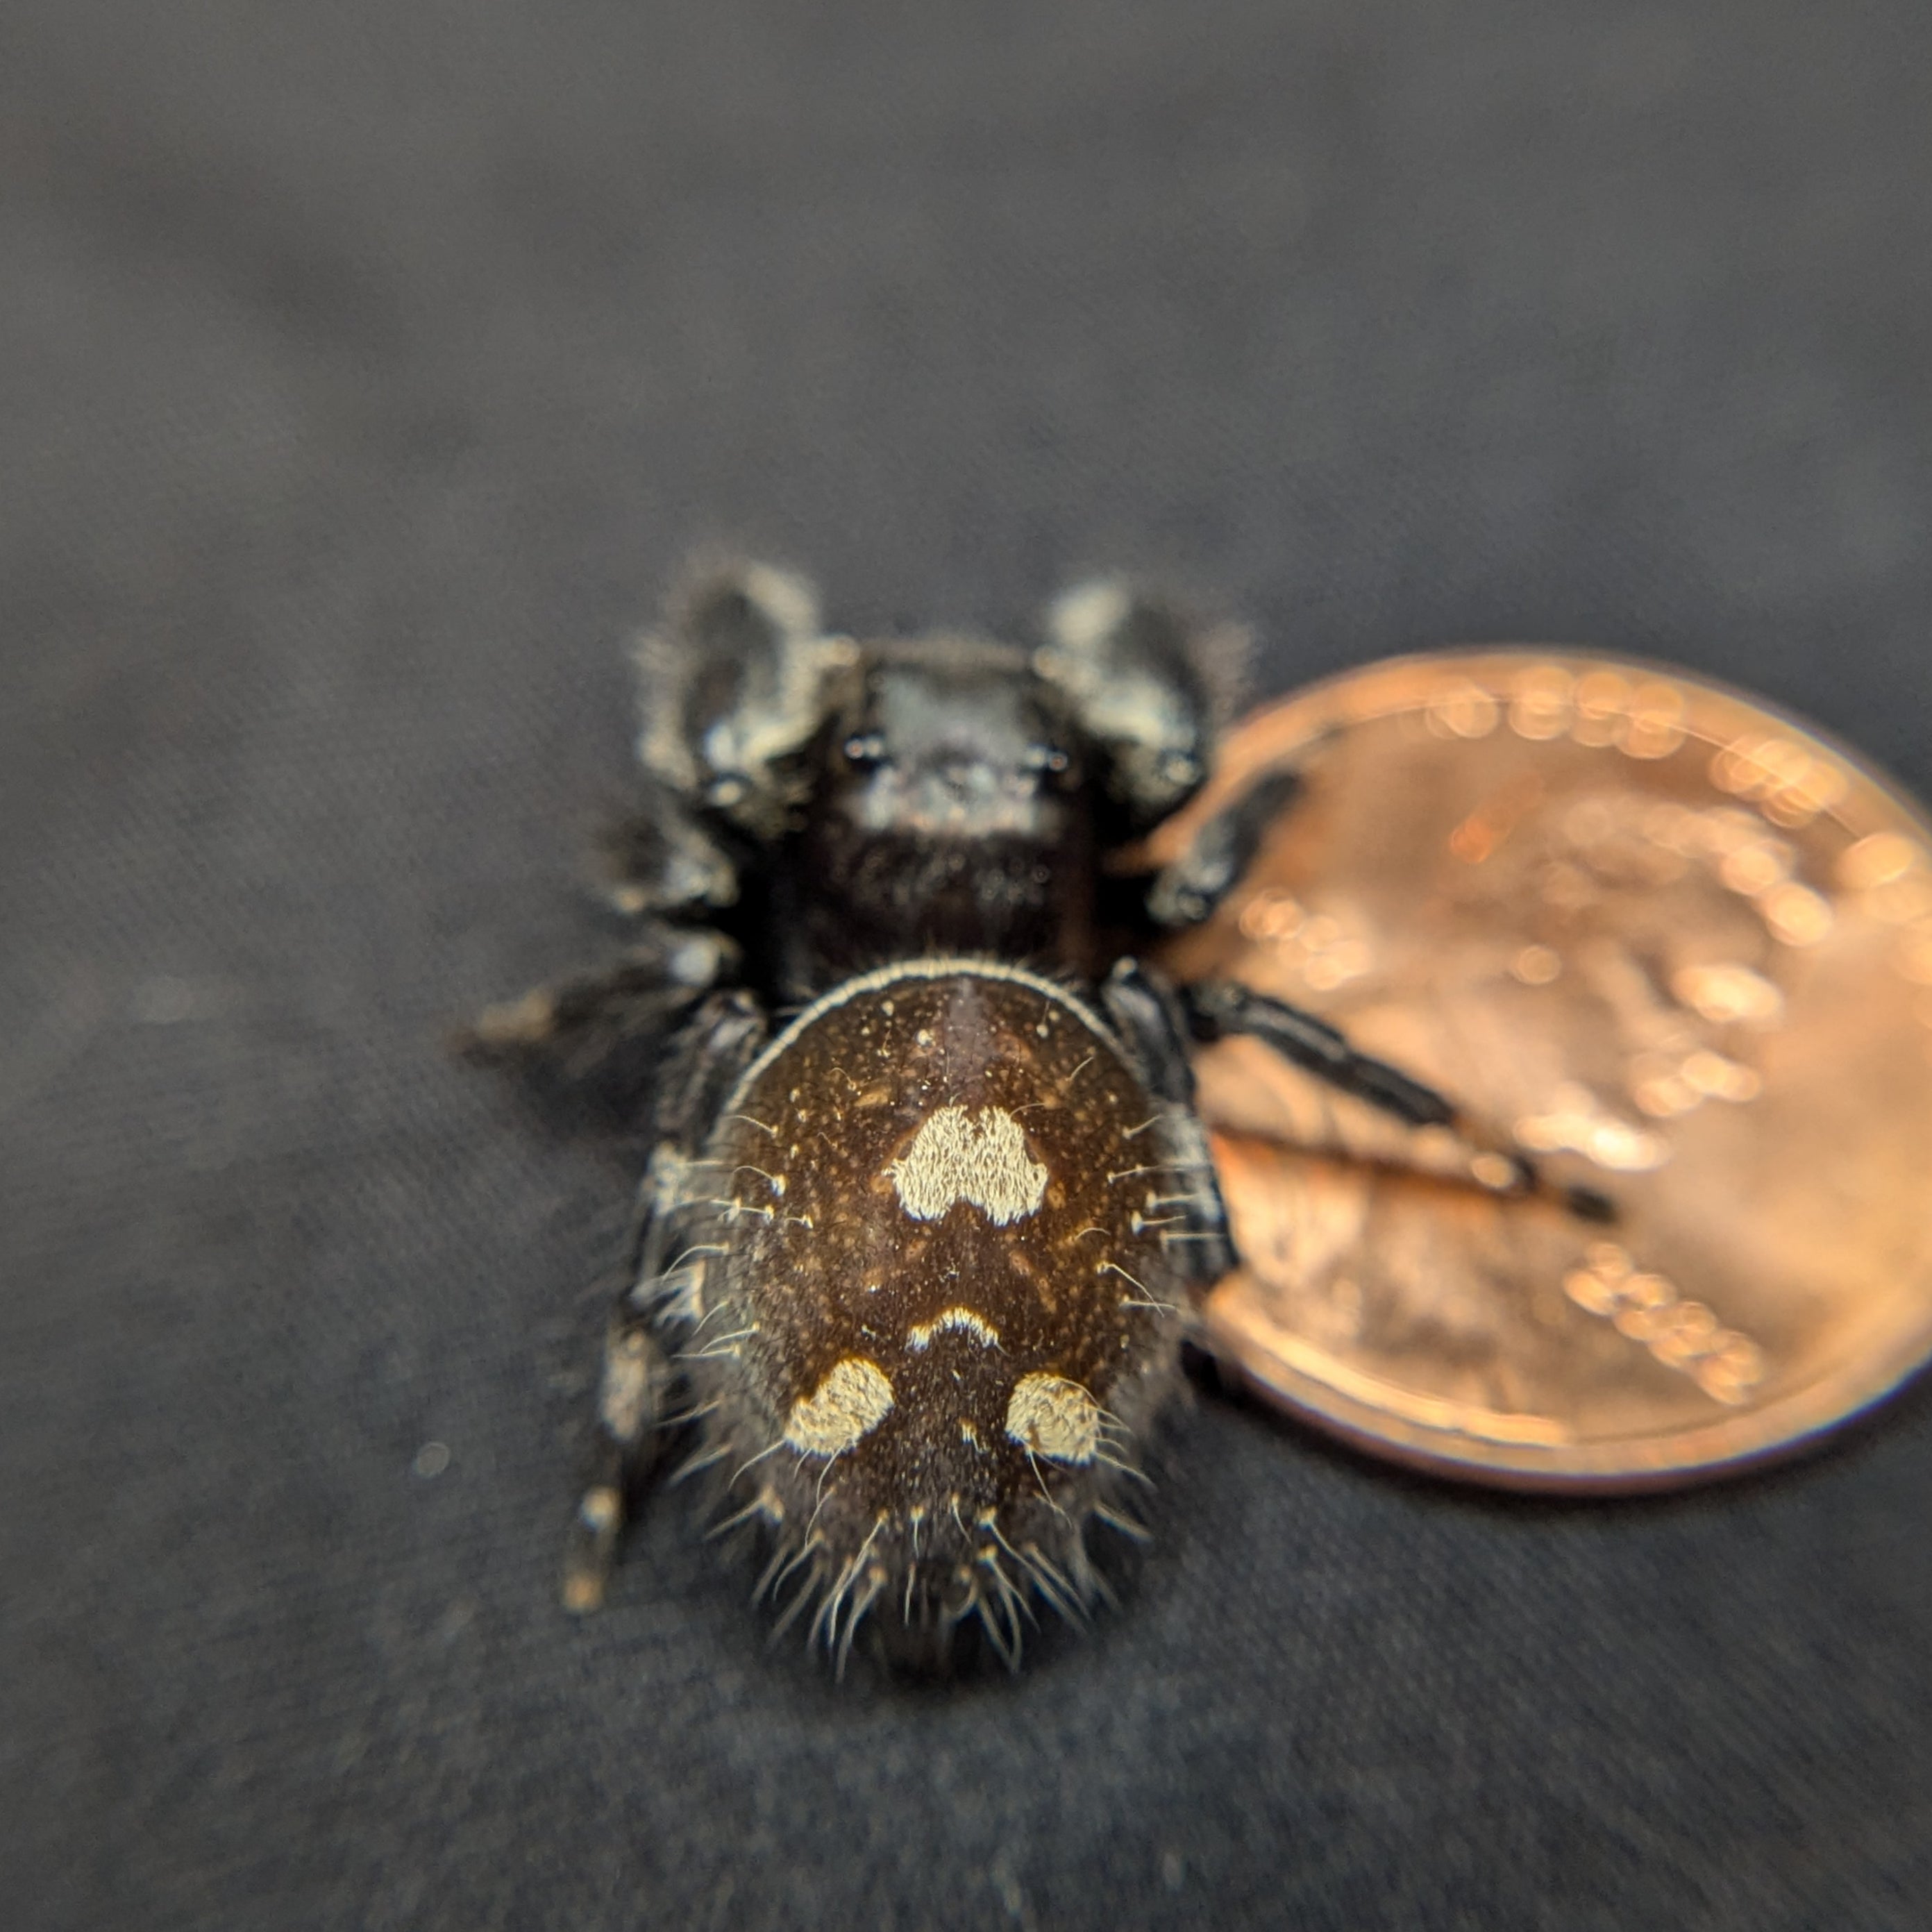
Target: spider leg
1190	888
1186	892
1153	1022
1216	1008
661	857
637	1377
733	684
589	1046
630	1404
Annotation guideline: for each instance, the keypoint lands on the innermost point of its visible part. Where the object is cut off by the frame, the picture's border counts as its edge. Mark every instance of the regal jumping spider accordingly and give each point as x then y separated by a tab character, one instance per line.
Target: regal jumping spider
929	1200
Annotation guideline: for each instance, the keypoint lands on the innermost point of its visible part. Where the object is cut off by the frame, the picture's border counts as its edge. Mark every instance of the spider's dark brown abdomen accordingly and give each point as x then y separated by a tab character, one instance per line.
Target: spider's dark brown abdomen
939	1303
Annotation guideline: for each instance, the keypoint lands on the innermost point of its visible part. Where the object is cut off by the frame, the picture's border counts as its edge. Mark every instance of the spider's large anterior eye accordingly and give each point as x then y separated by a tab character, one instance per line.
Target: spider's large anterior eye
1047	758
865	749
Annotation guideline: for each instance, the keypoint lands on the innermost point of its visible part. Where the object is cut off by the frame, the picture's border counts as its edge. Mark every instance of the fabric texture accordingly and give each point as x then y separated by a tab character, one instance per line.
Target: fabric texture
365	373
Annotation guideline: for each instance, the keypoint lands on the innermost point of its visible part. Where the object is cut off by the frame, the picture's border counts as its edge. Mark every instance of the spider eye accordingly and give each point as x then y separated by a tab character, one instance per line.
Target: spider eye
864	749
1048	758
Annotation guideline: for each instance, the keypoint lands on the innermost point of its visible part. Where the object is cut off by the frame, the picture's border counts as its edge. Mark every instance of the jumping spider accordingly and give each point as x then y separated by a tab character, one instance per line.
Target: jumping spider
929	1201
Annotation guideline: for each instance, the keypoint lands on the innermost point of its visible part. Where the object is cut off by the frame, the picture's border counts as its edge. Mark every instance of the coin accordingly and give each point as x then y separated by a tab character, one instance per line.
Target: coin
1676	945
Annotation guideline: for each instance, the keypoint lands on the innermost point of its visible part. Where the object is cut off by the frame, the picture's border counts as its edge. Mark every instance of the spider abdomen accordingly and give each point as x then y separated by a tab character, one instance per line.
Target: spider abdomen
937	1301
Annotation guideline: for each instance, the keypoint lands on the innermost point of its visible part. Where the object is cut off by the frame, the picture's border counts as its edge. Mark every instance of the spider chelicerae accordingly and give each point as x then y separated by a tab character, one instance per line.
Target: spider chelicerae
929	1204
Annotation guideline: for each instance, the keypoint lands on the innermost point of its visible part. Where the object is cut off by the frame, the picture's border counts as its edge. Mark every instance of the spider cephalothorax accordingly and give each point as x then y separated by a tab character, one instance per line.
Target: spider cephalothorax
950	816
922	1256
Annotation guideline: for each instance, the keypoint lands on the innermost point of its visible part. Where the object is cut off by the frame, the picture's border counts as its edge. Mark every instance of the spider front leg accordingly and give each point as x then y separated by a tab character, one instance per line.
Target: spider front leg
638	1382
1186	892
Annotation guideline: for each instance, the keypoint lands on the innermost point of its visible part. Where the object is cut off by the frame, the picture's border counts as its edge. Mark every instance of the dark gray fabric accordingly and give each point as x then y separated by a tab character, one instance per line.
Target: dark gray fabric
366	370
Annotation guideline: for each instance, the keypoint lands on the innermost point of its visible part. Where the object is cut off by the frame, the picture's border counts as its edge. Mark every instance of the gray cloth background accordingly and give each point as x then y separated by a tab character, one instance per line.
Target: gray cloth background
366	370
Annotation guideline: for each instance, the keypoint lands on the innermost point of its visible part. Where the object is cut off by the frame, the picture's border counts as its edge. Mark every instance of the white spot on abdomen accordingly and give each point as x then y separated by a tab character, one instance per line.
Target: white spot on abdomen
982	1158
852	1400
963	1319
1053	1417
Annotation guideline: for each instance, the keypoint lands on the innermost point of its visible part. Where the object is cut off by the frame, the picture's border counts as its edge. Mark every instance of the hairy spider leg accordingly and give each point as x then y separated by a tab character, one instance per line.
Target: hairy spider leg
1217	1008
723	1038
590	1044
1152	1022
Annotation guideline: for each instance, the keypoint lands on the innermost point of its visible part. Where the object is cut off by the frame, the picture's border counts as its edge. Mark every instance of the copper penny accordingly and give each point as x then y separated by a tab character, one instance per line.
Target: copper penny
1676	944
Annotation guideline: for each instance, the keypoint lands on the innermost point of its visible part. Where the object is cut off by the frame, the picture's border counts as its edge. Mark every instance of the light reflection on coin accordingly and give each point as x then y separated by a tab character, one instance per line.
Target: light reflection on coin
1678	946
